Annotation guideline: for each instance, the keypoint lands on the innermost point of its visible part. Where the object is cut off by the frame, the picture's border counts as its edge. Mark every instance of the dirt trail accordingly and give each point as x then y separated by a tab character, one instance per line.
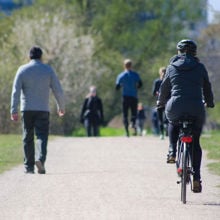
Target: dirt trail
106	179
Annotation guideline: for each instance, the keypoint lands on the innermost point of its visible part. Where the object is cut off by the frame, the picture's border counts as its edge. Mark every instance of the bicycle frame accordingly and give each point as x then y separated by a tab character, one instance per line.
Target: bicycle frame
184	156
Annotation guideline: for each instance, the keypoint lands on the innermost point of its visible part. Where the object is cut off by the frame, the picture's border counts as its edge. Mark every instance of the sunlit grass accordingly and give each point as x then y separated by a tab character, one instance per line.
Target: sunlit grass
211	142
104	132
11	151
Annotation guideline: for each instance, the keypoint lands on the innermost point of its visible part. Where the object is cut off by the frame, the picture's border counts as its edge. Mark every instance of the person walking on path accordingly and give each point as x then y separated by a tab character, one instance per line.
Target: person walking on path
160	111
31	89
92	113
130	81
184	90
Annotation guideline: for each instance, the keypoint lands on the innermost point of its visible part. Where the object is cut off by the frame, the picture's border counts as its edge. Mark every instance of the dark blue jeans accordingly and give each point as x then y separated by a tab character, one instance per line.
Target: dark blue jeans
92	127
35	123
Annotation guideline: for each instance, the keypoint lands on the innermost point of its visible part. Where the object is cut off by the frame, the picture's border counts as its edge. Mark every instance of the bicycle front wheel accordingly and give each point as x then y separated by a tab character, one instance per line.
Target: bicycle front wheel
184	172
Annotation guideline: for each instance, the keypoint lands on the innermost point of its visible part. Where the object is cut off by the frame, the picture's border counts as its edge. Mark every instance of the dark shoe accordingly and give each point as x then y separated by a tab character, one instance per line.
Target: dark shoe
171	159
29	171
40	167
197	186
127	132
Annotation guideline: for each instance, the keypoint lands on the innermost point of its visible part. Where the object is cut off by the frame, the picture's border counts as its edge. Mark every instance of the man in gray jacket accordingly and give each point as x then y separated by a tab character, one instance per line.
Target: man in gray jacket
184	90
31	89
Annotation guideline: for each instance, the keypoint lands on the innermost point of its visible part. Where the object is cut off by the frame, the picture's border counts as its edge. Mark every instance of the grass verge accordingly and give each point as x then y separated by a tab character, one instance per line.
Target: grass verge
104	132
11	152
211	142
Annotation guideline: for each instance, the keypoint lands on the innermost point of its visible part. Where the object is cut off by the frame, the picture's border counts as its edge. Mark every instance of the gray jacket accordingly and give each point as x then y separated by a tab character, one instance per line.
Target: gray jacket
185	88
31	88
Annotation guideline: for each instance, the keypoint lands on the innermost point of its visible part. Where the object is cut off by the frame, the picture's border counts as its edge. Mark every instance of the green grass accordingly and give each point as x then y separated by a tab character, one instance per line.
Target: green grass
104	132
111	132
211	142
11	151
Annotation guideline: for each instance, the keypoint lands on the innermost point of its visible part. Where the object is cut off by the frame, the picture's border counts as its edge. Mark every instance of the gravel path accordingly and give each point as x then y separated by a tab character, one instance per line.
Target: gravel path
106	179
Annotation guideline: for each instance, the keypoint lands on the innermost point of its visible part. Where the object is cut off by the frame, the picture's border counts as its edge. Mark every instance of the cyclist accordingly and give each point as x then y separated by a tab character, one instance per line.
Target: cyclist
185	86
130	81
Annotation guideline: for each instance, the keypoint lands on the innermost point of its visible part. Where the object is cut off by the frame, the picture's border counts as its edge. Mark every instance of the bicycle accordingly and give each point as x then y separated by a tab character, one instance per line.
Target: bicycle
185	155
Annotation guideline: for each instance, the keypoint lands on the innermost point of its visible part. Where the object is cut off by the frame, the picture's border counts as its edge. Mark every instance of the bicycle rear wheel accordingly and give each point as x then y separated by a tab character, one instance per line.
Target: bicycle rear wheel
184	172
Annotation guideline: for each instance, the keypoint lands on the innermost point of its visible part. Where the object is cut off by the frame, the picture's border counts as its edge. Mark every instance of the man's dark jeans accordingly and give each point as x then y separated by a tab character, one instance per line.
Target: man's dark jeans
35	122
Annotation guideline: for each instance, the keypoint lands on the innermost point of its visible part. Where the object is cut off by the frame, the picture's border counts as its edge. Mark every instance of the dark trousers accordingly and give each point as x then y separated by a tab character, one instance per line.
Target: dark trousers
129	103
173	131
35	122
92	127
160	114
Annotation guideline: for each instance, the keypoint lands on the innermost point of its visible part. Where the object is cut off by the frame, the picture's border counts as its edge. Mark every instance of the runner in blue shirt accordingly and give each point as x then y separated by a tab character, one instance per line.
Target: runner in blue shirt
130	81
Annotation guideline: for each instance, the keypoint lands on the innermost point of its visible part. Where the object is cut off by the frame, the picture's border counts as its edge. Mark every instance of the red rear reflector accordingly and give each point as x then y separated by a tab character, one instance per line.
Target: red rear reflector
179	170
187	139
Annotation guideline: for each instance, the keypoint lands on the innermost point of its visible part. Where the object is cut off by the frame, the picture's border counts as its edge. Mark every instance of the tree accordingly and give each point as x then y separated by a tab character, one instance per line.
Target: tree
65	49
144	30
86	41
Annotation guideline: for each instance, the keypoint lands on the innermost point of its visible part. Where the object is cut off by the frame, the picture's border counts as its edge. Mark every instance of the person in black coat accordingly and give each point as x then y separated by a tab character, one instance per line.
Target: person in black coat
184	90
92	113
160	111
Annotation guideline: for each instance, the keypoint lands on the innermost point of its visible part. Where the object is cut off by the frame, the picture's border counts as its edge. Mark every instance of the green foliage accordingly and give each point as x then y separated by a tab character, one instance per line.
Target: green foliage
85	42
145	31
131	27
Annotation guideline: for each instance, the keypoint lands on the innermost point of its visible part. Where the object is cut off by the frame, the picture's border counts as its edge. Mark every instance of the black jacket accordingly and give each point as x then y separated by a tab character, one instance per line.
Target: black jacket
156	86
185	88
92	109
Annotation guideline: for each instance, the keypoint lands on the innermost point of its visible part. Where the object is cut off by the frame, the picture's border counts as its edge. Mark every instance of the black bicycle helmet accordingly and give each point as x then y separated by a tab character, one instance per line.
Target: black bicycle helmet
187	46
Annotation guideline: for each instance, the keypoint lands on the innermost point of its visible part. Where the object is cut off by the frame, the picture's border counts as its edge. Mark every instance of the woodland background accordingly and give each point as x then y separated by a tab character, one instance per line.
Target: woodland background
86	42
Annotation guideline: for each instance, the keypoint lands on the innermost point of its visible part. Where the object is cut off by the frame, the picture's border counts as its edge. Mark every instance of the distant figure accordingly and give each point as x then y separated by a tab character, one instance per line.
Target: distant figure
154	121
160	111
141	117
31	87
130	81
92	113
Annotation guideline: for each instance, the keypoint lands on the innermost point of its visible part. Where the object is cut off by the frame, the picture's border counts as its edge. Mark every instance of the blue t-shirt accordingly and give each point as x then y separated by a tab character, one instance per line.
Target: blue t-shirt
128	80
